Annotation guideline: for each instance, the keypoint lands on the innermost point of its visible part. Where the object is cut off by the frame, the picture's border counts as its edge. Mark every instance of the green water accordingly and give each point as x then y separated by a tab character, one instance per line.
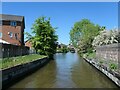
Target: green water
66	71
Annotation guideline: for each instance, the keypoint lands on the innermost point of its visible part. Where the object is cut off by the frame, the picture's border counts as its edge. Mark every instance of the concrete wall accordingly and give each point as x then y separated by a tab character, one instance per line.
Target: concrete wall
108	52
12	74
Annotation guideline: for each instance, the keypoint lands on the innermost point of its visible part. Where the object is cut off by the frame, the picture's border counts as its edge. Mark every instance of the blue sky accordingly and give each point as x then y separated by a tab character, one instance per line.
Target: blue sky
64	14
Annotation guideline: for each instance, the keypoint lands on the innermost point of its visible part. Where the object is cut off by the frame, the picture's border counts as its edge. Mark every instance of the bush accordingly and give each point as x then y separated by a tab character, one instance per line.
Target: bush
107	37
101	62
113	66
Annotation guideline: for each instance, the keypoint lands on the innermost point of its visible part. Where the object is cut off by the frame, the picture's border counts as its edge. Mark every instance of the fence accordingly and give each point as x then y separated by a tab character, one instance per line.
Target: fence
9	50
32	51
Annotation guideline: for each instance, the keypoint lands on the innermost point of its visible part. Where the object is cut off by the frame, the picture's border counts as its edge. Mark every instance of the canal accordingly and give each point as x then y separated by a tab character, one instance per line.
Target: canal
66	71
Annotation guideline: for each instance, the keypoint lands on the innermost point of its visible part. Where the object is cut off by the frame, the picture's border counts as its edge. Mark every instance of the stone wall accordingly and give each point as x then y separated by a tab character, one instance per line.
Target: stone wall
113	76
108	52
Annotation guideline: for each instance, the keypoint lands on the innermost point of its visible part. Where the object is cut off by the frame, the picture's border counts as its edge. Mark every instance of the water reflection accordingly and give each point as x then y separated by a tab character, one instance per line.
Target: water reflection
66	71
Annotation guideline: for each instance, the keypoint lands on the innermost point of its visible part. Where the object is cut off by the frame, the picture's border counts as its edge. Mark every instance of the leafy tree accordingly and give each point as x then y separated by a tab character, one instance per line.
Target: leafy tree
83	33
64	49
77	31
44	39
107	37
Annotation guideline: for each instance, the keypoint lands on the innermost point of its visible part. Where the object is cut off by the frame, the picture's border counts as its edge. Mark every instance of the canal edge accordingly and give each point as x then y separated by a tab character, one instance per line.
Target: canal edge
103	71
14	74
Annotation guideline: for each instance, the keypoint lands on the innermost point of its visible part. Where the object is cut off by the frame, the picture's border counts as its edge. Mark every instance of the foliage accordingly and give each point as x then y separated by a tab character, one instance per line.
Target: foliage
107	37
113	66
82	35
13	61
101	62
59	50
64	49
44	39
90	55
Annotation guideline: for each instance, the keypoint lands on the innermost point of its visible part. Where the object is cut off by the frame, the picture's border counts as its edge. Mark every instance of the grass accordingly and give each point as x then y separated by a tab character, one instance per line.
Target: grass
113	66
91	55
13	61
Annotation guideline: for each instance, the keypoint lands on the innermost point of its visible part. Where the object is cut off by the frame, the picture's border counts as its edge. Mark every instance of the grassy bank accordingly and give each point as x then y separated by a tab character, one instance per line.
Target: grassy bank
90	55
13	61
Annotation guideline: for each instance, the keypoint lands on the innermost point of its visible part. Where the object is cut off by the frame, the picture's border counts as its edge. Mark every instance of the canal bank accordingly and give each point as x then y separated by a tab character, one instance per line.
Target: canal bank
13	74
66	71
114	77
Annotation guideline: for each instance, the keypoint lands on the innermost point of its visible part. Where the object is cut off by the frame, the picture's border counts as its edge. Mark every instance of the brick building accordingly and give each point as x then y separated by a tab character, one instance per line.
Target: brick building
28	44
12	29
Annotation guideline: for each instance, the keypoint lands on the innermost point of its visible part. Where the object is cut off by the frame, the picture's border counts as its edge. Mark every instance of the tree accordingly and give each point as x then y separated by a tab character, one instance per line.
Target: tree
107	37
83	33
44	39
64	49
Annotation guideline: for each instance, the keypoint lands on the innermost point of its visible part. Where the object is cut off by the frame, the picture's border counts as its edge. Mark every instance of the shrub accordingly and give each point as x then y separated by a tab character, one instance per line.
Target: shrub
101	62
113	66
107	37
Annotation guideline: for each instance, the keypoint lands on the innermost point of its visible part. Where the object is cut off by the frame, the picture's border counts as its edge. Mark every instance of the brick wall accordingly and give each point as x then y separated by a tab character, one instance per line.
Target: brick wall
9	50
17	31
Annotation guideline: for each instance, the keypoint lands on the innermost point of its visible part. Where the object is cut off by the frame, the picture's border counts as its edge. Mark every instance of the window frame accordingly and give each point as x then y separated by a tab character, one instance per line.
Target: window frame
13	23
11	33
16	36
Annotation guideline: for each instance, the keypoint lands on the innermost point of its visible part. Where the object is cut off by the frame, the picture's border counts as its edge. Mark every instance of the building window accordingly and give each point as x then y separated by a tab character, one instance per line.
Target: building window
11	34
13	23
0	34
15	35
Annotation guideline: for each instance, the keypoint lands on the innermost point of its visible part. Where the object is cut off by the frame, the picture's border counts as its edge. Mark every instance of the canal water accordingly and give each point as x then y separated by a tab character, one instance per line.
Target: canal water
66	71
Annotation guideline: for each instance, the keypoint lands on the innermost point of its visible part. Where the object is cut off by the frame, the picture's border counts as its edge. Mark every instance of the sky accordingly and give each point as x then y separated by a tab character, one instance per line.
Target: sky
64	14
60	0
